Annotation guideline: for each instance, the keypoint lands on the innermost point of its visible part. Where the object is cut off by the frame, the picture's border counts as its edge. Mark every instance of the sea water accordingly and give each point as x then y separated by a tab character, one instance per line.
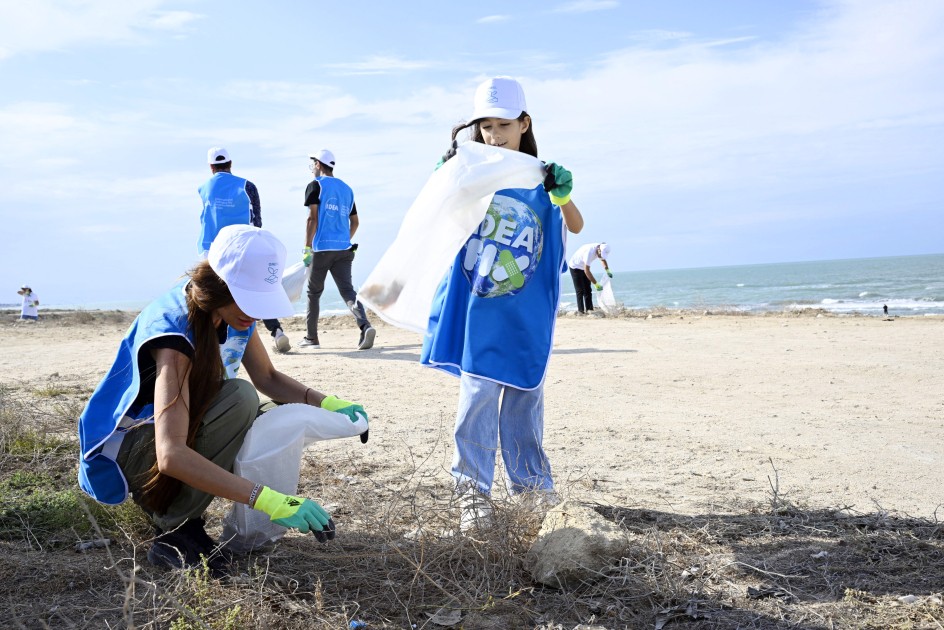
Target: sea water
908	285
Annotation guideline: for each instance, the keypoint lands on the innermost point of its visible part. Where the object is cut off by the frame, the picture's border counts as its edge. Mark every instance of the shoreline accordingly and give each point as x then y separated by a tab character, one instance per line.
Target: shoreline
90	316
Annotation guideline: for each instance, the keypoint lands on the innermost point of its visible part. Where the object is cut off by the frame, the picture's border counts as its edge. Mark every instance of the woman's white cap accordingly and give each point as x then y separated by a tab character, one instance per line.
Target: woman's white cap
604	251
251	261
501	97
324	156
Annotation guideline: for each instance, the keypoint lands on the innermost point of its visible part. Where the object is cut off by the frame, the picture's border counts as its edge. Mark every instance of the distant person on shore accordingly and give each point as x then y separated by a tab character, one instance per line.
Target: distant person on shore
583	278
231	200
885	308
492	319
331	224
169	418
29	312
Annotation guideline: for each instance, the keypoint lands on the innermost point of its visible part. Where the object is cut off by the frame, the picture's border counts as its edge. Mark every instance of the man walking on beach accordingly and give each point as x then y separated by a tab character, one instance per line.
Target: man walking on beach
231	200
583	278
332	222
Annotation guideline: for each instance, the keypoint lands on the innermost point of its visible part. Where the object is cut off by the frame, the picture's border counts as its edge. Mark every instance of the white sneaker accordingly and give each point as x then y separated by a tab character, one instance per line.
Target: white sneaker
475	510
282	344
539	501
309	343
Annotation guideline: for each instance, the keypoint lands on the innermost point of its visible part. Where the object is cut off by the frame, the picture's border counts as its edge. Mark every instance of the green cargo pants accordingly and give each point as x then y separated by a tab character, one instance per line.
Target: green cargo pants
219	439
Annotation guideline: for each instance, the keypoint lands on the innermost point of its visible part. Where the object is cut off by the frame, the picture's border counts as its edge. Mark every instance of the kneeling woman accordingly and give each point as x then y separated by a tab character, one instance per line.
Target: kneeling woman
167	421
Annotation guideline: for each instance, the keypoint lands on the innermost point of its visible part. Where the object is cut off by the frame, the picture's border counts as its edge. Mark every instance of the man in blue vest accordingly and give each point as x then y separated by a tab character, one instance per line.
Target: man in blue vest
231	200
332	221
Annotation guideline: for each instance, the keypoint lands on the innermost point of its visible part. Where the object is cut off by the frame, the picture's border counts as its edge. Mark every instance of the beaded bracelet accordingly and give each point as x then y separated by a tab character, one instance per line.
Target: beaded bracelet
254	494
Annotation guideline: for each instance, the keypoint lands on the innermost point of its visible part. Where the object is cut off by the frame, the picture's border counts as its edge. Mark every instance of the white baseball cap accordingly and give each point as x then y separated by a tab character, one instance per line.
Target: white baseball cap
604	251
217	155
501	97
324	156
251	261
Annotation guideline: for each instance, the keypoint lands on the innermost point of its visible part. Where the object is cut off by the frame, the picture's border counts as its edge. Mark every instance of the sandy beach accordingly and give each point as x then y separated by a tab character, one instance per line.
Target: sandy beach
687	413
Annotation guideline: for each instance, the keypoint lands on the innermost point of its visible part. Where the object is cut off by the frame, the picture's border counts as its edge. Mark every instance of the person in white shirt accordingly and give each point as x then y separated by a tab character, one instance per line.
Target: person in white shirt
583	278
30	302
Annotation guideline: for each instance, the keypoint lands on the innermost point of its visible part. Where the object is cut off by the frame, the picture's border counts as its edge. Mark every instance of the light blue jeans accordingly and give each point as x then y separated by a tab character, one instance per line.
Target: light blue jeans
517	420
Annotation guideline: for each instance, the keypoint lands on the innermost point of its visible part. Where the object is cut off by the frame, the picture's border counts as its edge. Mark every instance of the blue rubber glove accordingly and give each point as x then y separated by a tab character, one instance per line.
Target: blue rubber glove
448	155
348	408
609	273
306	256
296	512
598	286
559	183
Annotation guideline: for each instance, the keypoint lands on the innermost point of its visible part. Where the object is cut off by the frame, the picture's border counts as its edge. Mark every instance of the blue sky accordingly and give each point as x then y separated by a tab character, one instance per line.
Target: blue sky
699	133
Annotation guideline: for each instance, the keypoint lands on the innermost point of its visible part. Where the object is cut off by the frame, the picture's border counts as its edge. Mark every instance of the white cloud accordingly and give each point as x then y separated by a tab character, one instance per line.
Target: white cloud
380	64
48	25
172	20
586	6
493	19
658	35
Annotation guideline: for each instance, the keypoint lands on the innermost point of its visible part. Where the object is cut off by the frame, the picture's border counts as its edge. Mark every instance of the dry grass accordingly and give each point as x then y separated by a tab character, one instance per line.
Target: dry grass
774	565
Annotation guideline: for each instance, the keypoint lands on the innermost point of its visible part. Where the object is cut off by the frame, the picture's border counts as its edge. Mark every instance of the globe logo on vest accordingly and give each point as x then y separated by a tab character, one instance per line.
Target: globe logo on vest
501	256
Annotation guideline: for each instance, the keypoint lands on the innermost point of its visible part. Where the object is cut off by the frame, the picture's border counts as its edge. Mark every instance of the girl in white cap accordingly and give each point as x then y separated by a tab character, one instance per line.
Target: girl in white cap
492	320
29	311
168	419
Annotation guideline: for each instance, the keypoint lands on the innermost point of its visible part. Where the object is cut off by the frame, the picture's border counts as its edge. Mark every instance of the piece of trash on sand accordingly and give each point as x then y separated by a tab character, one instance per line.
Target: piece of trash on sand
85	545
446	617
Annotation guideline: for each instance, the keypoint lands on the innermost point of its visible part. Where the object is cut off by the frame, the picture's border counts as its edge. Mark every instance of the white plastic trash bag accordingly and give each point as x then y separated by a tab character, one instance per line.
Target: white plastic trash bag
294	280
449	208
607	299
272	455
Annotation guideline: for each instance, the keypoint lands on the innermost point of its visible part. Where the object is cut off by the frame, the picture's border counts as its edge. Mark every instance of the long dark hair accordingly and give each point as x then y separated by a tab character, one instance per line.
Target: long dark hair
205	293
528	144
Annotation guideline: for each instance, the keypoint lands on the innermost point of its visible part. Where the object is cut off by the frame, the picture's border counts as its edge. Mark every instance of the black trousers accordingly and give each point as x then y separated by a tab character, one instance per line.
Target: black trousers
272	325
583	289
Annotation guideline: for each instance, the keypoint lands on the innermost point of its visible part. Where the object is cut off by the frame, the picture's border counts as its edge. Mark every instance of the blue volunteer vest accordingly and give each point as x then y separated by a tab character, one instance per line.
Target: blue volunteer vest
225	202
494	314
105	418
334	216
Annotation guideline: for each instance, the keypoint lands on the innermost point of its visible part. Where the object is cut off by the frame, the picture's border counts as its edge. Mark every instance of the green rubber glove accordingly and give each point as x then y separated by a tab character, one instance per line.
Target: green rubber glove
296	512
306	256
609	273
598	286
448	155
559	183
348	408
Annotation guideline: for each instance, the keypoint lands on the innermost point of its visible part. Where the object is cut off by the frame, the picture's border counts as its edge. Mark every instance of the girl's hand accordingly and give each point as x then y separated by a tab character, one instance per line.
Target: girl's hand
448	155
558	182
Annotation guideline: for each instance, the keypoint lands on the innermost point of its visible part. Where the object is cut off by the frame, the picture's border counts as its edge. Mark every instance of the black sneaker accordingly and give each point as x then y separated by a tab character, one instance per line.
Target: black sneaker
186	546
367	338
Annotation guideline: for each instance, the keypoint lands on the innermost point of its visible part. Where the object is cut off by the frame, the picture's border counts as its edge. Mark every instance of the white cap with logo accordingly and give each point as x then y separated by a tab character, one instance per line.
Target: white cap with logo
251	261
217	155
324	156
501	97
